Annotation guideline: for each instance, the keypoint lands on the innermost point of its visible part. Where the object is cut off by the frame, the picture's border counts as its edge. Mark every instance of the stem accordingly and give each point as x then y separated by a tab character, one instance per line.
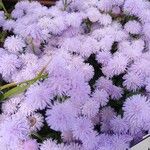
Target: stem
38	77
65	4
5	10
37	135
33	47
3	36
8	86
44	68
20	88
27	81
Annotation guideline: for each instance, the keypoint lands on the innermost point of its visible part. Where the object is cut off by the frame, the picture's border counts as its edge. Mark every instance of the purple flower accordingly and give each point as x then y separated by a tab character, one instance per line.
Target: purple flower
136	110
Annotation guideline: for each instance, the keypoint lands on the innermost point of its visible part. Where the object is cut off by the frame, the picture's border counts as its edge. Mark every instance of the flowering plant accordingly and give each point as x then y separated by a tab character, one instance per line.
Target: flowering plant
75	76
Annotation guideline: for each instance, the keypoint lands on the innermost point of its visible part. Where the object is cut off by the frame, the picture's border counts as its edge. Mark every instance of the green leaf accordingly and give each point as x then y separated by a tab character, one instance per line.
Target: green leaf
7	86
1	7
22	87
36	135
4	9
3	36
17	90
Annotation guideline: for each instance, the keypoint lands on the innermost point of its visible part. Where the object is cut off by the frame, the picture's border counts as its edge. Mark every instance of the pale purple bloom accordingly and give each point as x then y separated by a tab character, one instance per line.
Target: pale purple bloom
67	136
11	106
145	15
116	10
133	81
115	68
9	25
103	57
119	125
82	128
36	121
134	7
105	19
118	2
74	19
101	97
146	30
107	114
61	116
30	144
106	46
136	111
90	108
14	129
2	18
39	96
120	142
105	5
49	144
9	64
14	44
133	27
93	14
96	54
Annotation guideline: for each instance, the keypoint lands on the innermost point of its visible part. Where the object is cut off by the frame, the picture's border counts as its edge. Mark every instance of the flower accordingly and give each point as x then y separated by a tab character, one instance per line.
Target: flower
61	116
36	121
93	14
82	128
2	18
146	30
73	19
103	57
49	144
136	110
133	81
30	144
96	56
133	27
134	7
11	106
107	114
90	108
9	64
101	97
67	136
39	96
14	130
105	19
8	25
115	68
14	44
119	125
118	2
105	5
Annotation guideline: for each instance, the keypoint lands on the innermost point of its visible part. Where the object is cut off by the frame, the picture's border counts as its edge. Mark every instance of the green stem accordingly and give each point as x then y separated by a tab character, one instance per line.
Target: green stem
3	36
37	135
5	10
33	47
38	77
8	86
65	4
22	87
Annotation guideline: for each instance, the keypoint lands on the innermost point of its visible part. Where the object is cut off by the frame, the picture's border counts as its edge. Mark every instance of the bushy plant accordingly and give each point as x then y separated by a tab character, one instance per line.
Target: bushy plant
76	76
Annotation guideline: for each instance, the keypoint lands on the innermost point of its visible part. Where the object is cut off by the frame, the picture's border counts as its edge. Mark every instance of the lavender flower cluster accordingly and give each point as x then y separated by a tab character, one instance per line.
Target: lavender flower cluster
110	113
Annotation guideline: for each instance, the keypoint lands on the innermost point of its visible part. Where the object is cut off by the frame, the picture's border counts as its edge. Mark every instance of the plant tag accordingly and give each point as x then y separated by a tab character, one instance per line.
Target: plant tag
144	144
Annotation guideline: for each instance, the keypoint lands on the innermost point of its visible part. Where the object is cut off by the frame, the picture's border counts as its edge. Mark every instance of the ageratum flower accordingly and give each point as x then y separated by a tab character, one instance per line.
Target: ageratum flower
136	110
96	54
14	44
